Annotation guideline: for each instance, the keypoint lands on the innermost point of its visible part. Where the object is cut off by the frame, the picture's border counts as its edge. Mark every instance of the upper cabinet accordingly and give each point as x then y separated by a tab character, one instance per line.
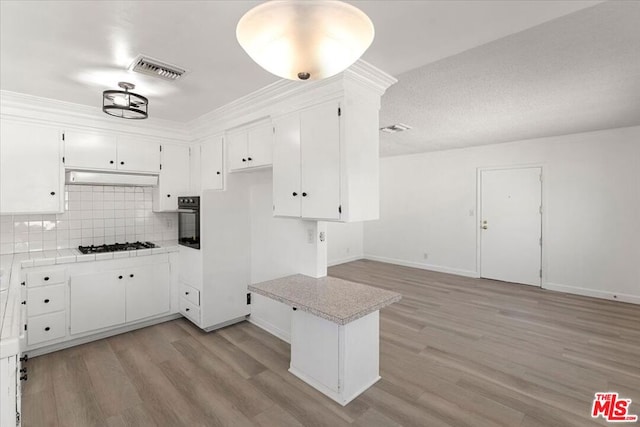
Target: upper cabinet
174	178
250	146
325	163
87	150
31	178
211	164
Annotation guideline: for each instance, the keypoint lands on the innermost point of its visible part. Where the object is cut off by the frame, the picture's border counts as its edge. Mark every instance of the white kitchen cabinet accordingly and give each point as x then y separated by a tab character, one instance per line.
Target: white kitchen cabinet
325	163
174	178
147	292
97	300
100	300
90	150
138	155
9	391
250	147
211	164
31	172
93	150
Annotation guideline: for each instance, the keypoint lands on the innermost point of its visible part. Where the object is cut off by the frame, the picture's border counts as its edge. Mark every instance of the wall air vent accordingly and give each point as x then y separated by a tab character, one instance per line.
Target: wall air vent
153	67
398	127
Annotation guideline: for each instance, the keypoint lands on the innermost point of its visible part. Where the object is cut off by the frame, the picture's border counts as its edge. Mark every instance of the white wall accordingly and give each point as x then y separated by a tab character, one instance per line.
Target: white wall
344	242
591	210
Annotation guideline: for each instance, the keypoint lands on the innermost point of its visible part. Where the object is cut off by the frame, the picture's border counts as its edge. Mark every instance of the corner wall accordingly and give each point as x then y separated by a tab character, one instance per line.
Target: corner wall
591	198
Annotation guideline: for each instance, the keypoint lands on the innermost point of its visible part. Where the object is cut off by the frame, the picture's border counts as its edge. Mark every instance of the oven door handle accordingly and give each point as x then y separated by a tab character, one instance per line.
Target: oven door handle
187	210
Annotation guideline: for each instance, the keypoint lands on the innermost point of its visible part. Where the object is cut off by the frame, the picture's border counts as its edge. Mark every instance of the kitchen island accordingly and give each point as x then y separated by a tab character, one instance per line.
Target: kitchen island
334	331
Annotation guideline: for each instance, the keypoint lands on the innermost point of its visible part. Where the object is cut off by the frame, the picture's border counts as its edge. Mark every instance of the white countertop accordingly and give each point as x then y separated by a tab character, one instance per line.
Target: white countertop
337	300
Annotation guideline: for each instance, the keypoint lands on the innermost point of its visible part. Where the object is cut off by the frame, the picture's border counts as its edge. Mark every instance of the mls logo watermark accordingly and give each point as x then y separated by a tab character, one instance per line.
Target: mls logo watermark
612	408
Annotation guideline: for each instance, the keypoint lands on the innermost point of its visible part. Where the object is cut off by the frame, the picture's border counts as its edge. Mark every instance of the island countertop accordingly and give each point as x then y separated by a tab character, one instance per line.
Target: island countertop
337	300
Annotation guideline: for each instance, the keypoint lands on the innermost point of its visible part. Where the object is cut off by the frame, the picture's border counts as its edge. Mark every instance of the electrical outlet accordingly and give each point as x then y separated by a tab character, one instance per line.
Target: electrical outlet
169	223
426	255
310	235
348	250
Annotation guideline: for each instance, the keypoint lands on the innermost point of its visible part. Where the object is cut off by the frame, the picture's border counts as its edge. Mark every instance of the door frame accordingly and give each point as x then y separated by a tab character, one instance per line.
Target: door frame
543	217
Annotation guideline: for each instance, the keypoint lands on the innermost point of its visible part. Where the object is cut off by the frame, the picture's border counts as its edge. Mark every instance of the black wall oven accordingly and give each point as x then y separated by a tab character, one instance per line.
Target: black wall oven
189	221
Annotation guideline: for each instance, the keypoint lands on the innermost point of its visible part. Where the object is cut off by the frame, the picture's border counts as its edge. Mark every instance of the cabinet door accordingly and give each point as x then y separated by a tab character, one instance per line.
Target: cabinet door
30	169
320	160
211	161
97	300
174	178
286	166
260	145
147	291
237	150
89	150
138	156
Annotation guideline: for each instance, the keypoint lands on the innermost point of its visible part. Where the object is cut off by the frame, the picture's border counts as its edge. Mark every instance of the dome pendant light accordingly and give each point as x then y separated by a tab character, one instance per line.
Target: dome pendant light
125	104
305	40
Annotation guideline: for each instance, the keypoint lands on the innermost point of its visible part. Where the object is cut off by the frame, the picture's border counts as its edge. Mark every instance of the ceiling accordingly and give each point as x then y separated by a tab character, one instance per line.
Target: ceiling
577	73
470	72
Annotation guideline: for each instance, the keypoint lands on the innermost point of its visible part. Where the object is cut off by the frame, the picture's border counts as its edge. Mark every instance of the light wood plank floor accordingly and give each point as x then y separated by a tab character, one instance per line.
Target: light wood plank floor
454	352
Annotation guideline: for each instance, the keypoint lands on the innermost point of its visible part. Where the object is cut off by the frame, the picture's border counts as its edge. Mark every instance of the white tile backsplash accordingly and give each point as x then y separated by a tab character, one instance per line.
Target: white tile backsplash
94	215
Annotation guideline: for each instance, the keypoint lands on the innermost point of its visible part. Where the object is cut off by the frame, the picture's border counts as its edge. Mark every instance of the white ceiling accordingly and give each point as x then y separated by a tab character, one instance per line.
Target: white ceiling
470	72
577	73
73	50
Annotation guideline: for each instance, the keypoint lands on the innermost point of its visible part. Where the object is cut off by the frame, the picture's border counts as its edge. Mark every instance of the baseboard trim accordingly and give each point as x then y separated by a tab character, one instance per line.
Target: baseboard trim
430	267
269	327
594	293
344	260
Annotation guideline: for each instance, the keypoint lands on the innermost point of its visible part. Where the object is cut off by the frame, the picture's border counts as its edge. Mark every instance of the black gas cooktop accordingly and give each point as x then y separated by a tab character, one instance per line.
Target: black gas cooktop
115	247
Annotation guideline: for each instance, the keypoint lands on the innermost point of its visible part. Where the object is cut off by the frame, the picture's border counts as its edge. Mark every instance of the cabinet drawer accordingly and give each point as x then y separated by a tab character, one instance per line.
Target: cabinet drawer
45	299
46	327
190	294
189	310
39	278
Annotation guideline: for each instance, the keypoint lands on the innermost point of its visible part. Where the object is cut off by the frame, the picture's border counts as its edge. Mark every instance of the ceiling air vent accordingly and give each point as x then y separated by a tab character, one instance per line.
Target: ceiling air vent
398	127
153	67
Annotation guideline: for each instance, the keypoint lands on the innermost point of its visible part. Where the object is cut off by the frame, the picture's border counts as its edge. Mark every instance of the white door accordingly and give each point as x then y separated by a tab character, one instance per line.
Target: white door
147	291
260	146
320	184
286	167
211	161
237	150
96	301
90	150
30	169
138	156
511	225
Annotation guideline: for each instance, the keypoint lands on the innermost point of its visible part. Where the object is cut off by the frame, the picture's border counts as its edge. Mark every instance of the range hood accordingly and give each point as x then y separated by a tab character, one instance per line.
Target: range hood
109	178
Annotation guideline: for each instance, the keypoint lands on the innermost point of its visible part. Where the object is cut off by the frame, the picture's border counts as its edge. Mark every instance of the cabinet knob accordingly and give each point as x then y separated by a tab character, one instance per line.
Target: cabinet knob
249	158
168	195
24	377
294	194
47	329
119	277
46	278
186	293
304	194
111	162
46	301
218	173
244	160
53	193
122	163
131	275
186	309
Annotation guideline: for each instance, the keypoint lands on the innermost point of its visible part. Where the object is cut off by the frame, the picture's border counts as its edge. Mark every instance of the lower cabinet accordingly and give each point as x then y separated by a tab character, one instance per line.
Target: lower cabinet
101	300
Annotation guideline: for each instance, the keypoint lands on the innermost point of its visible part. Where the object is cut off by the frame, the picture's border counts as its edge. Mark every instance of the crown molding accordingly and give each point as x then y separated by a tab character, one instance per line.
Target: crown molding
284	95
54	112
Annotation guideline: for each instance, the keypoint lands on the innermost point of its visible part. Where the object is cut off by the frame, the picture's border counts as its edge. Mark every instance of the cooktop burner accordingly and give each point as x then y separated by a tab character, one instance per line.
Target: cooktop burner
115	247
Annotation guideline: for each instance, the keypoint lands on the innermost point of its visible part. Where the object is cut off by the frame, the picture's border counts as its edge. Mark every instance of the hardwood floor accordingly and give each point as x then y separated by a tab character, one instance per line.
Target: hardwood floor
454	352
